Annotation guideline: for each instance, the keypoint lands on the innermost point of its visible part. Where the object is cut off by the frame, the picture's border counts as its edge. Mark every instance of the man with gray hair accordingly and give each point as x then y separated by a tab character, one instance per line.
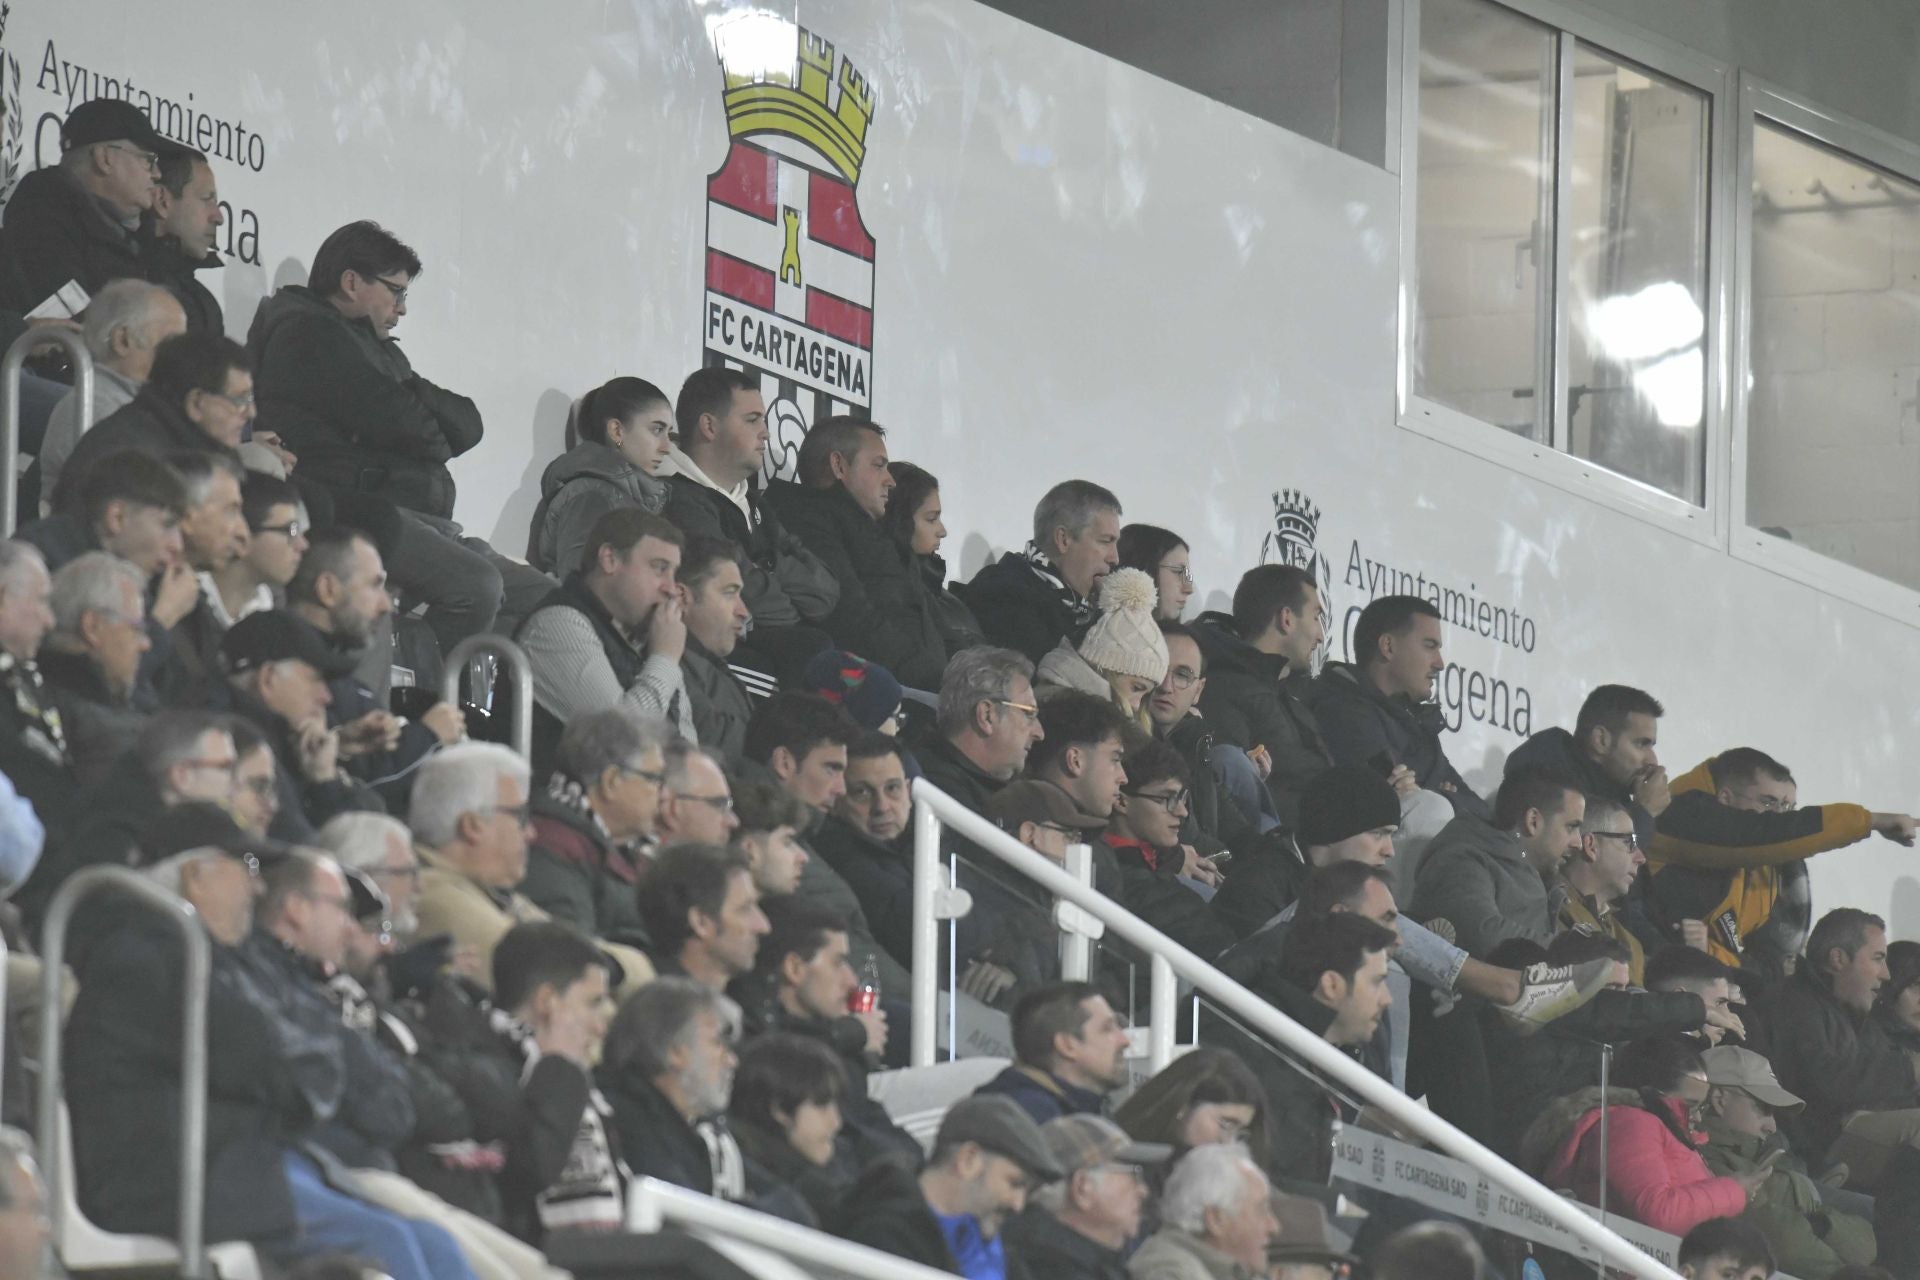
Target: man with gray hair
668	1072
988	723
1078	1227
379	847
75	221
264	1179
696	800
1031	600
91	658
125	323
179	757
184	667
471	815
33	743
1218	1221
593	823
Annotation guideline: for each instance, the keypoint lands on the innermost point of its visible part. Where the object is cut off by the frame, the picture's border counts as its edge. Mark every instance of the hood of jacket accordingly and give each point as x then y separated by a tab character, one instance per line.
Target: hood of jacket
297	302
1064	666
1698	778
1226	652
590	460
1555	1126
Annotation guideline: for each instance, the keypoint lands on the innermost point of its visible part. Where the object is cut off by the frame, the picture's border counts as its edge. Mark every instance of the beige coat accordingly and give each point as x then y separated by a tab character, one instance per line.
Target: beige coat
1172	1254
451	903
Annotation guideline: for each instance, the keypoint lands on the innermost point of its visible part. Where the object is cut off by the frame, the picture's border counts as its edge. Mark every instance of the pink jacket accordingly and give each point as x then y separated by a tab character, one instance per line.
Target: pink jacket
1652	1176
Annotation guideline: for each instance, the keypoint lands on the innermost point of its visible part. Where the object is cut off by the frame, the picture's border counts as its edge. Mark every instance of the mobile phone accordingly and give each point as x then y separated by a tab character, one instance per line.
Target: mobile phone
1218	860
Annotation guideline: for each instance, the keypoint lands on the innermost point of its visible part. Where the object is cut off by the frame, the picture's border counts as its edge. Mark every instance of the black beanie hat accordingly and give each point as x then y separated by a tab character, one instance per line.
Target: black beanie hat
1343	802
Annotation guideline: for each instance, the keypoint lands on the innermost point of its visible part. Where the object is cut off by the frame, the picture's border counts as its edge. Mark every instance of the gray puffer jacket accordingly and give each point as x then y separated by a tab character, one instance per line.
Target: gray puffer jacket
579	487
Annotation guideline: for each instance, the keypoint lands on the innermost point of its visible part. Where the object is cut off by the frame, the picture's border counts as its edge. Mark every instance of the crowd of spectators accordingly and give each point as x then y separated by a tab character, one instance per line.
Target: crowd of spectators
462	1000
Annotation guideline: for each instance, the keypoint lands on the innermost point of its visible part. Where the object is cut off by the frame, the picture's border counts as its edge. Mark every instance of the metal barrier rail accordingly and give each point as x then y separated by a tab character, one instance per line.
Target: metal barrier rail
1170	962
652	1204
517	665
10	370
193	1046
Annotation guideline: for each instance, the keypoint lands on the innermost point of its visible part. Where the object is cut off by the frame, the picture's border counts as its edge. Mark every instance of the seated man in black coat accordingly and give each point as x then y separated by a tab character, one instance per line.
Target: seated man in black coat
989	721
340	590
1030	600
91	658
335	385
667	1072
198	399
1070	1052
278	668
720	442
75	221
803	983
1863	1105
269	1074
884	614
866	840
987	1156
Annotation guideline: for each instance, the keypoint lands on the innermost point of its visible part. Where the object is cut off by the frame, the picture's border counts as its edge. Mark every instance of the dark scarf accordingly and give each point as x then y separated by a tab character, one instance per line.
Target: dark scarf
1083	610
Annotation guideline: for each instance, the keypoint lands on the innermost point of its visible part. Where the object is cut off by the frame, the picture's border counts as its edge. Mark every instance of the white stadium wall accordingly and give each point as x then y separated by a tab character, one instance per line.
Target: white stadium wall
1078	269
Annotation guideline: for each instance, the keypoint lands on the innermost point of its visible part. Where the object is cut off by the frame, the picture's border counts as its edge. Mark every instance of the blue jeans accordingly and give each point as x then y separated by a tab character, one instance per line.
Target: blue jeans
334	1222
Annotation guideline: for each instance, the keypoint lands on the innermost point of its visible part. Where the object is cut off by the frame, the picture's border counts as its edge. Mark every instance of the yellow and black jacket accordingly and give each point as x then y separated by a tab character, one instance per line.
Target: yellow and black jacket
1578	912
1719	864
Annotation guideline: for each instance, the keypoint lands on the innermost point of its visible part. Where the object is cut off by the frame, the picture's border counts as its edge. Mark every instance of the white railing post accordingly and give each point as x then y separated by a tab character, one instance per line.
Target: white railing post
1162	1012
12	365
924	1012
1262	1019
1076	944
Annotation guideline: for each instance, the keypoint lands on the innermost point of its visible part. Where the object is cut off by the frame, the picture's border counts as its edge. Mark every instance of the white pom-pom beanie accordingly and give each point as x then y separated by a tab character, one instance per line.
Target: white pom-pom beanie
1125	639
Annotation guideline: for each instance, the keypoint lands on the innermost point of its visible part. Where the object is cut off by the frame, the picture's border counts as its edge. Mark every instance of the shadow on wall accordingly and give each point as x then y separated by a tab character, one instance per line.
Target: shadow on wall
1487	776
975	553
243	286
551	413
1903	919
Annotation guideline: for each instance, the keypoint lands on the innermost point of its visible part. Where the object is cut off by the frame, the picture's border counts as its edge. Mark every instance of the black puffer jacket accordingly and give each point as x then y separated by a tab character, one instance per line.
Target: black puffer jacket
1020	610
883	614
56	232
347	401
1361	724
785	582
1250	702
146	424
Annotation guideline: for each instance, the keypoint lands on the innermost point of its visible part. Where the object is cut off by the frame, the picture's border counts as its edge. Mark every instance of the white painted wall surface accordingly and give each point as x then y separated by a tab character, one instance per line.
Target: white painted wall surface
1081	270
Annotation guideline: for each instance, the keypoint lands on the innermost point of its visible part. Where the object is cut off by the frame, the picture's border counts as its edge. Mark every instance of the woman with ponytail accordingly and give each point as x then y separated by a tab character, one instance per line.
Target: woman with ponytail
626	430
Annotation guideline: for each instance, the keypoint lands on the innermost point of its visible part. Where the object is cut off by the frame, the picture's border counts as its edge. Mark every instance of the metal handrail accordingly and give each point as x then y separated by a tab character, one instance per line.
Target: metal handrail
193	1047
1171	961
517	664
651	1204
10	370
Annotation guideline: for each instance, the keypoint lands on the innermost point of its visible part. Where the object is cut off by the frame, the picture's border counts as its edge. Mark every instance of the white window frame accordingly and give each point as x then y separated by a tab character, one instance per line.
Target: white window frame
1760	99
1708	523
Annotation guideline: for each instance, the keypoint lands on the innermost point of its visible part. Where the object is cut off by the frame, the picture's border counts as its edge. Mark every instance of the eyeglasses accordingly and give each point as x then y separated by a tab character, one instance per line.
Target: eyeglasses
1633	840
261	787
399	291
1032	712
1181	572
239	402
409	872
1172	801
152	161
290	530
1182	678
722	803
520	813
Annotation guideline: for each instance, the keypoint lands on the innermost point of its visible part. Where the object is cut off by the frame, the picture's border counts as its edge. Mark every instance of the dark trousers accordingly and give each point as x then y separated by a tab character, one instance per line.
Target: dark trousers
1447	1061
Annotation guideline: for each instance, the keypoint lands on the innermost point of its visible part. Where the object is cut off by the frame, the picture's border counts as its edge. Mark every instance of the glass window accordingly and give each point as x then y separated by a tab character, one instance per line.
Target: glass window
1636	312
1833	455
1483	244
1522	253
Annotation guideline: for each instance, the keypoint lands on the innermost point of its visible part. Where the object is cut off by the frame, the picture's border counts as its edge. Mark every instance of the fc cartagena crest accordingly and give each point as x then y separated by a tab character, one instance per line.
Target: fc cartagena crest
789	260
1296	525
